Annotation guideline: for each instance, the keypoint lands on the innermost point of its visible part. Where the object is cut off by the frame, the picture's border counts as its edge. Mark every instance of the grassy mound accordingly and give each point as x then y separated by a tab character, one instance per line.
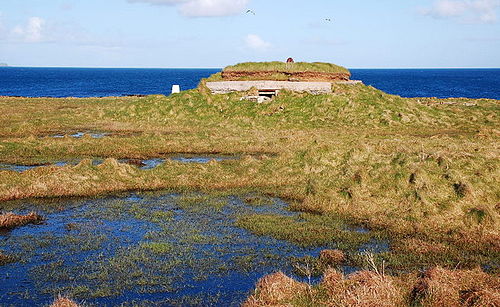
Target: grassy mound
281	71
284	67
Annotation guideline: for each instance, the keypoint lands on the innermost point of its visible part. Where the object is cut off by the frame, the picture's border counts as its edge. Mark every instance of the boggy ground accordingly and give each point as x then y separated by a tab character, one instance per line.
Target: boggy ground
425	172
155	248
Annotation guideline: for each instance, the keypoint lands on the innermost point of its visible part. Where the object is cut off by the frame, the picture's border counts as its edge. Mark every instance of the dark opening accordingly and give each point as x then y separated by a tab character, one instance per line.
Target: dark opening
268	93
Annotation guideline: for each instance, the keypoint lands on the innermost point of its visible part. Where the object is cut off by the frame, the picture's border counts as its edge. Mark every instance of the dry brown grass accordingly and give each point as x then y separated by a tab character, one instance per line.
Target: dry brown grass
334	256
10	220
364	288
417	246
64	302
442	287
435	288
275	290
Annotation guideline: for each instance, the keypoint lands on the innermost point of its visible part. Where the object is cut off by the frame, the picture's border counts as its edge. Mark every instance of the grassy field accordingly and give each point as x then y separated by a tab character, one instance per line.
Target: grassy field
422	172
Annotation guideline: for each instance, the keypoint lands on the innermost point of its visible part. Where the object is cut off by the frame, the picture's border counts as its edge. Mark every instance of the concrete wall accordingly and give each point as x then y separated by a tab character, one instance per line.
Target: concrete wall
225	87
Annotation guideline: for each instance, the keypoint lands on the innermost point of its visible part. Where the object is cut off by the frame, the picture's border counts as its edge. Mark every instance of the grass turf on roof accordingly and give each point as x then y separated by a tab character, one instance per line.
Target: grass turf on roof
283	67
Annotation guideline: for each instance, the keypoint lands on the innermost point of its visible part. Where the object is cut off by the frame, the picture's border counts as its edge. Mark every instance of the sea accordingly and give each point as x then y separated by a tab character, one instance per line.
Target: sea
101	82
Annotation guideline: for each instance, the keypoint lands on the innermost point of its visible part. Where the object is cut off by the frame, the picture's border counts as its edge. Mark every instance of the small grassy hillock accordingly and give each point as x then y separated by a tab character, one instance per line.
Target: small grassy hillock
281	71
284	67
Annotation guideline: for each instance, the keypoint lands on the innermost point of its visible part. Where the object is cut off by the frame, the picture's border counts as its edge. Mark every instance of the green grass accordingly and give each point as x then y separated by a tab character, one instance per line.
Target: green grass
158	247
283	67
305	230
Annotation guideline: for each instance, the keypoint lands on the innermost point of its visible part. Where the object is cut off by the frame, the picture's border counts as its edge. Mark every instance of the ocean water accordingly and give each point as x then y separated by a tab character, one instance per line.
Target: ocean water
441	83
98	82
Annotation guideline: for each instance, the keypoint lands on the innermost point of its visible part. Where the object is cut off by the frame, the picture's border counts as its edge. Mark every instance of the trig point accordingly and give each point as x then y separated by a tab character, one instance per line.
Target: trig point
176	89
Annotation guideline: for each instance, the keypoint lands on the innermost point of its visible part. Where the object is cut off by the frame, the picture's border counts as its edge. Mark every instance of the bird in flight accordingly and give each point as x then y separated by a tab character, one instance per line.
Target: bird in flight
251	12
328	19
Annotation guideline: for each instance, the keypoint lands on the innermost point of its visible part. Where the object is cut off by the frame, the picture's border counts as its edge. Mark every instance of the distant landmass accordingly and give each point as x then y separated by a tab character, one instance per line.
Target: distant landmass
4	65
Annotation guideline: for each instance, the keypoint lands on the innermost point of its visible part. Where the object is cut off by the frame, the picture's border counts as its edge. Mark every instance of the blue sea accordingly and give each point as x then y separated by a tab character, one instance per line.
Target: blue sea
99	82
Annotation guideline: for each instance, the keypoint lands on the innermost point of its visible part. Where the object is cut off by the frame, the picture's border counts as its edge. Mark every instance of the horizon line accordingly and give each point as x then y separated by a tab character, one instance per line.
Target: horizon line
132	67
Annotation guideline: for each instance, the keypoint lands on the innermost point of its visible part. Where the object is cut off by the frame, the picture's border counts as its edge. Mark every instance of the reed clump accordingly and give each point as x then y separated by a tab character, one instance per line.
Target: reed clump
11	220
332	256
62	301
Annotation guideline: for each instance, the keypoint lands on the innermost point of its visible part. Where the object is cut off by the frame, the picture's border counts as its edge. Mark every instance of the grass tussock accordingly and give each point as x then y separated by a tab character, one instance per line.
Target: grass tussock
436	287
4	259
441	287
364	288
274	290
64	302
332	257
10	220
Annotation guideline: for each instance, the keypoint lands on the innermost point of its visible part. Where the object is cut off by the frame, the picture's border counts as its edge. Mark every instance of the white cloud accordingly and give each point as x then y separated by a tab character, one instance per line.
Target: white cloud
32	32
484	11
255	42
159	2
211	8
203	8
39	30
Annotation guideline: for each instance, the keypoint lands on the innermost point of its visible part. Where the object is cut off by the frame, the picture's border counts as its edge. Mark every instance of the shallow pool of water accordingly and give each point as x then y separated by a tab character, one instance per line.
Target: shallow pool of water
203	158
167	248
163	248
142	164
16	168
22	168
78	135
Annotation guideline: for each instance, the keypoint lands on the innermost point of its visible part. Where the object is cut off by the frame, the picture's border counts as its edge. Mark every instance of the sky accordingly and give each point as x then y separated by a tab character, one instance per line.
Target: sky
217	33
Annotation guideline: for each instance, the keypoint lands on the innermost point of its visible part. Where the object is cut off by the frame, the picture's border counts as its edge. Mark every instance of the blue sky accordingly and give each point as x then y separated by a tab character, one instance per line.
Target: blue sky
216	33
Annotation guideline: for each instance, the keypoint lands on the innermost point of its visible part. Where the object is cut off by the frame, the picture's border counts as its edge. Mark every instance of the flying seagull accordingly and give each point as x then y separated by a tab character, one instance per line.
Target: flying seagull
251	12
